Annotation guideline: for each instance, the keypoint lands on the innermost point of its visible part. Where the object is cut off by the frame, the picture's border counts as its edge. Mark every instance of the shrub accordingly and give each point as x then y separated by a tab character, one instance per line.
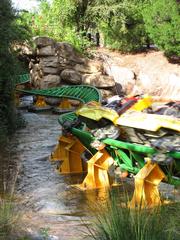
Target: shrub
117	221
162	24
11	32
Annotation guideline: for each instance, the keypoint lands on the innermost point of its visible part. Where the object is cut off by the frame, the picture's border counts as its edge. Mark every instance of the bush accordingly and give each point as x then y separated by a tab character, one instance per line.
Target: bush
117	221
121	24
162	24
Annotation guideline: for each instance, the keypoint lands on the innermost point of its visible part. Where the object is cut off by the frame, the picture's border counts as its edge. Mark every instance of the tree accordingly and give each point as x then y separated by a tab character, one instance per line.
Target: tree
121	23
59	20
10	32
162	23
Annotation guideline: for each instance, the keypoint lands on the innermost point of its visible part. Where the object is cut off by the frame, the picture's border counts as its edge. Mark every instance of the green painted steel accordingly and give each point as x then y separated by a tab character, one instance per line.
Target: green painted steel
70	117
85	138
21	79
82	93
137	148
129	146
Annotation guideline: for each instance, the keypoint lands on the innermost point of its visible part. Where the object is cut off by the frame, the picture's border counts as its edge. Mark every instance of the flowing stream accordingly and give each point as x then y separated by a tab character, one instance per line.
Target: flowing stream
49	206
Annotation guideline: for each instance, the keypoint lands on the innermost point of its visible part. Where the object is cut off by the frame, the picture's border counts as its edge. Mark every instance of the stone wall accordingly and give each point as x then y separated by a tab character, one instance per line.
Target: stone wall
58	63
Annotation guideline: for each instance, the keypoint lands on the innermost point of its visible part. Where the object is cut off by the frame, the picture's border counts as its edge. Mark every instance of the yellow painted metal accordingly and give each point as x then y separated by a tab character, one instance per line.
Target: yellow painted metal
132	118
143	103
97	112
146	193
65	104
40	102
68	150
151	122
97	175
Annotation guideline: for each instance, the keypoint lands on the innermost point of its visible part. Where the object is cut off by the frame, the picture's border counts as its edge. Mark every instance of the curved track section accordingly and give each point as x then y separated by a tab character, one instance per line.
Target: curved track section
82	93
21	79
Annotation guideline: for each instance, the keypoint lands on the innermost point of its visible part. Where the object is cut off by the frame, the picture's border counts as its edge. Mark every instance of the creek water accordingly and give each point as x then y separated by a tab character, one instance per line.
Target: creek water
50	208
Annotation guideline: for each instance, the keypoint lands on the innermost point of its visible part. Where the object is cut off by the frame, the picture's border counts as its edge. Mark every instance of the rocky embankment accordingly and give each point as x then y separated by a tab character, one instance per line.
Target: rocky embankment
58	63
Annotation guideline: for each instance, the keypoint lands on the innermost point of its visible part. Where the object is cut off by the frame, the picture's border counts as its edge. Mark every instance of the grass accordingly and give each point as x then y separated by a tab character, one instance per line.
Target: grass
8	219
114	221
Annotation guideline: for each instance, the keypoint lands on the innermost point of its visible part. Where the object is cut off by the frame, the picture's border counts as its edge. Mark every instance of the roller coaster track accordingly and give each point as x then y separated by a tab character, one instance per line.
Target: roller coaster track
82	93
21	79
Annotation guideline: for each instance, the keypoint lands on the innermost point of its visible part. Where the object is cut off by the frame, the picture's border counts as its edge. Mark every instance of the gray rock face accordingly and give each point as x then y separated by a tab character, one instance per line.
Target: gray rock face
98	80
44	41
50	70
68	54
56	61
50	61
107	93
71	76
46	51
89	66
50	81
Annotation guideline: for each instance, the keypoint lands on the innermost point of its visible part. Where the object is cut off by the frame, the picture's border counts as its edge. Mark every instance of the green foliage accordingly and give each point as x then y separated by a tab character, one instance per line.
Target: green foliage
125	25
121	23
162	22
115	220
57	21
11	33
45	233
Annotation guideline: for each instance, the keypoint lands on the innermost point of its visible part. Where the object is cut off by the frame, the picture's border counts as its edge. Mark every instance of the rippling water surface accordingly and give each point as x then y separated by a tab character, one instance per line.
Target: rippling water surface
47	201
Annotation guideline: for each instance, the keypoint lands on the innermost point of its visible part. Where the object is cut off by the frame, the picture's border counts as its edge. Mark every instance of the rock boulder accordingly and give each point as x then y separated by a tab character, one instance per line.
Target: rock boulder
44	41
71	76
50	81
46	51
98	80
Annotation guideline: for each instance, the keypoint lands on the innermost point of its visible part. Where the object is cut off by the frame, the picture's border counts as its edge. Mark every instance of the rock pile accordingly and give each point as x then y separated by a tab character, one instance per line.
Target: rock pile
58	63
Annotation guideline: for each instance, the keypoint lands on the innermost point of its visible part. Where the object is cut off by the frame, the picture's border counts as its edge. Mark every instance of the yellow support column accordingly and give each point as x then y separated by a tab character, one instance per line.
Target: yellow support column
98	176
40	102
65	104
146	193
68	150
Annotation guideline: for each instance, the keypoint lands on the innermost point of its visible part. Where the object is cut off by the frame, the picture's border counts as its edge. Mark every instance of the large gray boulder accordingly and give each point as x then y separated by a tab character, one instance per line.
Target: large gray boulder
90	66
49	81
43	42
107	93
50	70
68	56
98	80
46	51
71	76
49	61
49	65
